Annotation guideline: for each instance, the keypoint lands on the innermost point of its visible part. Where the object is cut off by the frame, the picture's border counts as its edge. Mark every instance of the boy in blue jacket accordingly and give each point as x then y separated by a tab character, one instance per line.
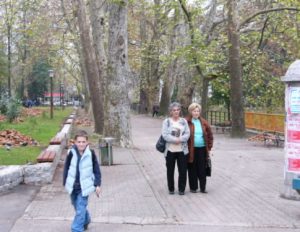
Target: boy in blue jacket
81	177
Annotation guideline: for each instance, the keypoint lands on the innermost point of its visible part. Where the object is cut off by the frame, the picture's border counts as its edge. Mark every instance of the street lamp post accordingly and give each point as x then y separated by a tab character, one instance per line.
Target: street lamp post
51	74
60	92
62	100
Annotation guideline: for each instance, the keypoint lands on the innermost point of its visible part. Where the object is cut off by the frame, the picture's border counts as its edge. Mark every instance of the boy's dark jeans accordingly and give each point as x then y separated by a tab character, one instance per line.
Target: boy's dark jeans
181	159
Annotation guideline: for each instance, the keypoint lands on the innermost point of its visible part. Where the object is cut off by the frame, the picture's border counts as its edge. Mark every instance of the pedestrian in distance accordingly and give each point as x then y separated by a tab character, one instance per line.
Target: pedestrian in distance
155	110
176	132
200	144
81	177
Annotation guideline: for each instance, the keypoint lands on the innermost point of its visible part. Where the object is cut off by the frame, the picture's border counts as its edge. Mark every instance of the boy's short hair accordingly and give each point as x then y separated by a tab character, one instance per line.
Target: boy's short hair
81	133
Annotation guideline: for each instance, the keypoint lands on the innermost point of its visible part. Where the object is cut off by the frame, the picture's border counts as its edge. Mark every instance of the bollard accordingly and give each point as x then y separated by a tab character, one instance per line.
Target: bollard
106	151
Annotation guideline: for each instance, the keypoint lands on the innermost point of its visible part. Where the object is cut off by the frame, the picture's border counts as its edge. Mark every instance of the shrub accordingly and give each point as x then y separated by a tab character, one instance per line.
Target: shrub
13	109
3	104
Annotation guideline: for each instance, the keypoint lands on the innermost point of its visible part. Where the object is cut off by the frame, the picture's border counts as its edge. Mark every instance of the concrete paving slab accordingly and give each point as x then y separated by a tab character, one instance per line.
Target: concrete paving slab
243	192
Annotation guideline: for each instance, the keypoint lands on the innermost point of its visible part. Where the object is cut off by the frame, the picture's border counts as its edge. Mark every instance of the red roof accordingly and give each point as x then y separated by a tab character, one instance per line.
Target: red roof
53	94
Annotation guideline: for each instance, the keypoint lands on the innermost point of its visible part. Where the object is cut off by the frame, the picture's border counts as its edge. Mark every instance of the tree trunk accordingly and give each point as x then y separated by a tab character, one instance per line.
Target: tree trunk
85	86
9	34
149	75
204	97
235	72
98	9
24	89
91	65
118	106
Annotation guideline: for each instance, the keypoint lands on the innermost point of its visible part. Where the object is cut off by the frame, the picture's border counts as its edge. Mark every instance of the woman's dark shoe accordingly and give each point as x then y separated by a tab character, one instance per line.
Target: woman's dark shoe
193	191
203	191
181	193
171	192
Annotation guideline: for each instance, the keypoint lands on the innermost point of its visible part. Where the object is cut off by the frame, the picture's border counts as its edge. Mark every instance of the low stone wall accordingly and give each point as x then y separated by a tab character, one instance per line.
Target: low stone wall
40	173
10	176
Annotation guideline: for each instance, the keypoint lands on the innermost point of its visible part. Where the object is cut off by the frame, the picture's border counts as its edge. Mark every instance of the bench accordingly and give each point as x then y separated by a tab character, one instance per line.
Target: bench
224	126
223	129
57	140
46	156
274	137
69	121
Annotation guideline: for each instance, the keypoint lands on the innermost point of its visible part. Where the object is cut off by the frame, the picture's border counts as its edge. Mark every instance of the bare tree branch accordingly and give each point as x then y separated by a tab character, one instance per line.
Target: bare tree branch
262	33
247	20
192	35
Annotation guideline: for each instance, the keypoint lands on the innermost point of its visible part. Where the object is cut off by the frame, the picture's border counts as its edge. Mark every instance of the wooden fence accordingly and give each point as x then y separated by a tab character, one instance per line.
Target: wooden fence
256	121
265	122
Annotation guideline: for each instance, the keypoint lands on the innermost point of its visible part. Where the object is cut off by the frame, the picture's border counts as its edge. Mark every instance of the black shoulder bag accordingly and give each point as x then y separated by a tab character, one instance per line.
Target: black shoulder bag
161	143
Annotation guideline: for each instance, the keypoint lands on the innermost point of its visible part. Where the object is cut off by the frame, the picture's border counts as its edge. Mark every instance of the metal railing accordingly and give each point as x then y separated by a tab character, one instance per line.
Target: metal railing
217	117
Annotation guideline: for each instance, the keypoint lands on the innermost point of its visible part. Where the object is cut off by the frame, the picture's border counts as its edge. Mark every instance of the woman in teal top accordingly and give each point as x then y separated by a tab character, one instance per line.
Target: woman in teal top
199	144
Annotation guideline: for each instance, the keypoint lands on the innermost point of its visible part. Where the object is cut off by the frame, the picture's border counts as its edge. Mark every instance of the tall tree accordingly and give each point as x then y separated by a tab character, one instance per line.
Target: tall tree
10	7
118	107
90	64
71	27
151	32
235	72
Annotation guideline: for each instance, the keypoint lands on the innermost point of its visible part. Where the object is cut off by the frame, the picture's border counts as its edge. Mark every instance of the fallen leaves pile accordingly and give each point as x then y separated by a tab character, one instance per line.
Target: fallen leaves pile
31	112
2	118
15	138
257	138
83	122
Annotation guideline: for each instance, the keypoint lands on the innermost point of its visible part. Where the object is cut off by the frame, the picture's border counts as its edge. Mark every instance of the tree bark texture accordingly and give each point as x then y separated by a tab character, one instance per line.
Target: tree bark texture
118	106
143	106
235	72
98	11
90	64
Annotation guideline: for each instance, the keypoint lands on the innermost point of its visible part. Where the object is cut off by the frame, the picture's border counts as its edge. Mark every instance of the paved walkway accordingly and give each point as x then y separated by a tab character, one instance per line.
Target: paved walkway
243	192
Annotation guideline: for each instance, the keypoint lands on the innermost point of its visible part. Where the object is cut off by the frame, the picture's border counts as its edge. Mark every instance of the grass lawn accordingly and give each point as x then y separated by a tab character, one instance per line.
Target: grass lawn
40	128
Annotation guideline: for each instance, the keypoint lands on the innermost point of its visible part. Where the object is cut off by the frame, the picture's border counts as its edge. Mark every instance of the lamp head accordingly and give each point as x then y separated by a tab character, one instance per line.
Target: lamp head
51	73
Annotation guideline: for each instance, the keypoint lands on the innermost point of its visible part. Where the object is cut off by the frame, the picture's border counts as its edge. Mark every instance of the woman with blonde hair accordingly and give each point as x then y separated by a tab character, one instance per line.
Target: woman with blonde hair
200	144
175	131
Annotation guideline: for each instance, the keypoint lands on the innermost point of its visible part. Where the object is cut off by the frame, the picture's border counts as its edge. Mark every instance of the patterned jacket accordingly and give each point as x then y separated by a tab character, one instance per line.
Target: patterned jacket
166	133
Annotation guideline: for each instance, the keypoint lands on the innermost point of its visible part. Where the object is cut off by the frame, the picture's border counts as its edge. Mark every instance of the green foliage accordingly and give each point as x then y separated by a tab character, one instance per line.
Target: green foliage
3	65
13	110
3	105
174	95
221	91
39	80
